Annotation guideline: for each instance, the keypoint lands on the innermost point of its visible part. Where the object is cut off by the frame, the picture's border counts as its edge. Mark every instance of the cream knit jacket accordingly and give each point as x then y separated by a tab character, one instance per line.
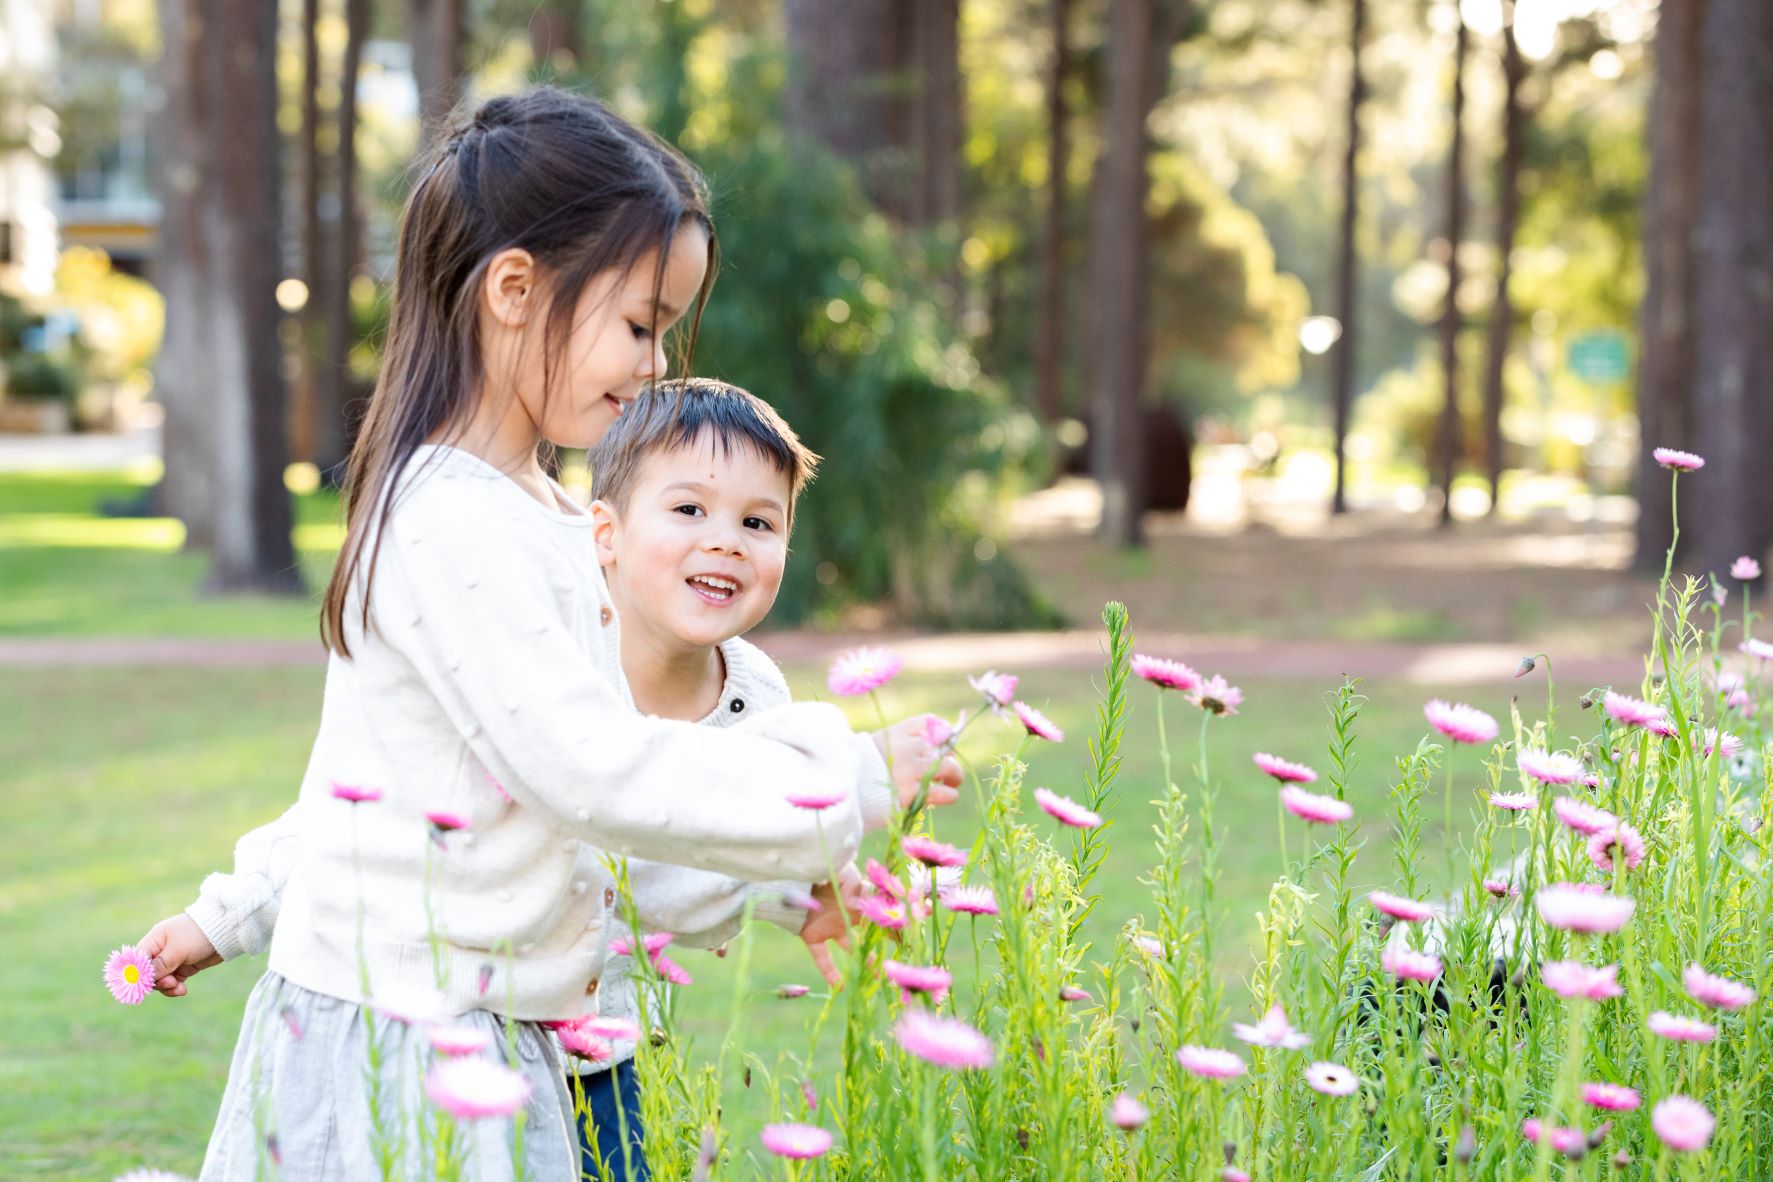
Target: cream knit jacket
488	686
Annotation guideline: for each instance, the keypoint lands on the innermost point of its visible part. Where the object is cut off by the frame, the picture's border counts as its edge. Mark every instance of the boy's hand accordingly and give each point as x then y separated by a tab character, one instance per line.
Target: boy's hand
826	924
910	756
179	949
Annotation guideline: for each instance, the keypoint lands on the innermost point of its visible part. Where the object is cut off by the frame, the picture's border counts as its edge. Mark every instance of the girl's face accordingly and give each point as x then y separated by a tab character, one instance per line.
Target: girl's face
616	344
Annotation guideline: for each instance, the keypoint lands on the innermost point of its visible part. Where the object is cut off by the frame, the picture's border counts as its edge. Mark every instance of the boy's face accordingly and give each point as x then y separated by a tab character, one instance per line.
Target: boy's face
697	555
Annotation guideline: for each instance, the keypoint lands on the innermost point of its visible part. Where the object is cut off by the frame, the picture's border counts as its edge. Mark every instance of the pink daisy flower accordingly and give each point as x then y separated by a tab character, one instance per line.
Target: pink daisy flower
1273	1030
1718	992
970	900
1603	846
1073	993
455	1039
1209	1062
1680	1028
1745	568
355	793
1682	1123
1677	461
931	979
1151	946
946	1042
1662	726
1582	816
1233	1174
1331	1079
444	821
863	670
931	852
1730	745
1309	806
1284	770
1406	965
1127	1113
672	971
129	975
885	880
1550	768
1499	888
1570	978
938	731
1760	649
998	689
1459	722
1065	810
1398	907
1612	1097
817	800
1036	723
621	946
1514	802
1631	711
1567	1141
882	911
790	992
471	1088
1582	907
612	1029
1166	674
797	1142
1215	695
576	1040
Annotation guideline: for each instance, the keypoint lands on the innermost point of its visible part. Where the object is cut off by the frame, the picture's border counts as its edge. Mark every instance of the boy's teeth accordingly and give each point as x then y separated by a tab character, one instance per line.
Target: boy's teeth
715	583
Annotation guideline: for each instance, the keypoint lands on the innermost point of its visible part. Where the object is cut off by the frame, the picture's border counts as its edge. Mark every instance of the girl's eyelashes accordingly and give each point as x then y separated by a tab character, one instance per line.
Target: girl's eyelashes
641	331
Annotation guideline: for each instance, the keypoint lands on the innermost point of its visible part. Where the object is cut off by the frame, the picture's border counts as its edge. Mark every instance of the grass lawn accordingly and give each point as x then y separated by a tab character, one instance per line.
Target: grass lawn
122	787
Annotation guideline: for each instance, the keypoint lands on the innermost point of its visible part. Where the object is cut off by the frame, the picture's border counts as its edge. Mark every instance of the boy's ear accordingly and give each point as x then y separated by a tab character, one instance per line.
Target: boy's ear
604	527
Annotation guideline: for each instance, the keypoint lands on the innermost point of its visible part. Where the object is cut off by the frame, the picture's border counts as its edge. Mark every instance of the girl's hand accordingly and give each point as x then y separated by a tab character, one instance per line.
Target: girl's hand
826	925
179	949
910	756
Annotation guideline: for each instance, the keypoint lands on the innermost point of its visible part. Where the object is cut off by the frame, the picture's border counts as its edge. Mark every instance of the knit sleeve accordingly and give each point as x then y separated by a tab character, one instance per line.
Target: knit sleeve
238	910
463	595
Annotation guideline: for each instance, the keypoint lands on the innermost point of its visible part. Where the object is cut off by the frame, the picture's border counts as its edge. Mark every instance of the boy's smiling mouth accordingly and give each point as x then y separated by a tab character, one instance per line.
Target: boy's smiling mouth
716	589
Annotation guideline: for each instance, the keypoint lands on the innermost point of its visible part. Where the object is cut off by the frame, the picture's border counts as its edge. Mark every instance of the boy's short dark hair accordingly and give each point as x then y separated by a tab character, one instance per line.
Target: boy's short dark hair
680	412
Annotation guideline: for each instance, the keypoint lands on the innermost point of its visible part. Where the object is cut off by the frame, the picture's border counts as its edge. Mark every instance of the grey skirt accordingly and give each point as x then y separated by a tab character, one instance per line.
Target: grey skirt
298	1101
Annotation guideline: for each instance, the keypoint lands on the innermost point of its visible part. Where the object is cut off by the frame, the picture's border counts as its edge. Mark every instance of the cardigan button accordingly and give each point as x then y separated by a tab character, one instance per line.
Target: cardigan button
606	615
609	896
591	989
738	705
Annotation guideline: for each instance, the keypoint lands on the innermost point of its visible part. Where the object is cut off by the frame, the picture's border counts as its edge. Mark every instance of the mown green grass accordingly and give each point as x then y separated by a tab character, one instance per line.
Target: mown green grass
121	788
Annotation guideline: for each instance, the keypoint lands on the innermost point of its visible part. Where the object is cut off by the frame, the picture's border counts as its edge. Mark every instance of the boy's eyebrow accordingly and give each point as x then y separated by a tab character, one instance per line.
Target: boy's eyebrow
697	486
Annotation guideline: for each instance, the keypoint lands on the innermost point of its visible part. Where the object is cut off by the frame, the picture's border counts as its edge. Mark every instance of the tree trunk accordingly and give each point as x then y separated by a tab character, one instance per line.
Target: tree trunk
935	95
1733	308
1508	210
556	35
1348	261
1049	346
1449	433
244	437
438	32
1665	366
303	411
334	393
837	92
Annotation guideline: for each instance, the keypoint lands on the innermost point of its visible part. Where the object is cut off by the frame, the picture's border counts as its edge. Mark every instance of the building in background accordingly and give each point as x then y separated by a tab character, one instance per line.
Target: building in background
29	144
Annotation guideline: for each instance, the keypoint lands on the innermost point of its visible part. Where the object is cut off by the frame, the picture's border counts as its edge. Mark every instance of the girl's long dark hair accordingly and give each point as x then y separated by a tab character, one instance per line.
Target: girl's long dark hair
553	173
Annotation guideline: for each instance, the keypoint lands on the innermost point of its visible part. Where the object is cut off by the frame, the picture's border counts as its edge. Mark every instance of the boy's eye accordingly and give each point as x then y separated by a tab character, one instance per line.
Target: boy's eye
759	523
689	510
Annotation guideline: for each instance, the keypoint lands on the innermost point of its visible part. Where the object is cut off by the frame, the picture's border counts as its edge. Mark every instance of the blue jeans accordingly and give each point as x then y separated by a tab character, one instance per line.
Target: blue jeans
598	1119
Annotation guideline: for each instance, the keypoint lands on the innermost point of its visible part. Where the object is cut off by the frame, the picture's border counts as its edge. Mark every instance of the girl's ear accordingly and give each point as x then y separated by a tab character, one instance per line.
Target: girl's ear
605	525
509	288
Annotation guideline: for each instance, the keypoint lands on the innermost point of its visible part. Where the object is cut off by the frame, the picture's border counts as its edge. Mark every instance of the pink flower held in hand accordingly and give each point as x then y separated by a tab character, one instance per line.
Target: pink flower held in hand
1631	711
1680	1028
1582	907
576	1040
1683	1124
1459	722
1603	846
1284	770
1612	1097
863	670
444	821
1677	461
1514	802
938	732
1127	1113
1309	806
460	1040
612	1029
1210	1062
1215	695
1398	907
885	880
1718	992
1406	965
354	793
1549	768
1036	723
817	800
657	942
672	971
1331	1079
1570	978
931	979
129	975
1582	816
946	1042
1065	810
883	911
799	1142
1745	568
998	689
971	900
475	1087
1165	674
621	946
1272	1031
931	852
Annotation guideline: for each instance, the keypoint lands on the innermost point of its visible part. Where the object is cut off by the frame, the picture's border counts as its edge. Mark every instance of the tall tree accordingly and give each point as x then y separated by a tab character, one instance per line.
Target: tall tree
1049	346
557	35
1671	202
302	397
1448	444
437	30
1733	285
1508	212
335	394
933	99
1348	260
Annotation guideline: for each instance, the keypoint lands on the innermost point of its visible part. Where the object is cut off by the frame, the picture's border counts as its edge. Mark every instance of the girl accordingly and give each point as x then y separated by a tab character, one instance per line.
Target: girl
474	730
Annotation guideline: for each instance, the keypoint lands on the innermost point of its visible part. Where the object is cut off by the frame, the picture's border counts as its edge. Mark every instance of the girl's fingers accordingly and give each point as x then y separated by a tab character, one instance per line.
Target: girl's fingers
948	772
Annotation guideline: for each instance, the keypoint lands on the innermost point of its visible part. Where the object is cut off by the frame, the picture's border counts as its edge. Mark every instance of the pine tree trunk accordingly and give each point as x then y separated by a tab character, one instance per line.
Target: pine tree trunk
839	59
334	393
1049	347
935	92
437	30
1671	199
1455	182
304	414
1733	305
1508	209
1348	261
556	35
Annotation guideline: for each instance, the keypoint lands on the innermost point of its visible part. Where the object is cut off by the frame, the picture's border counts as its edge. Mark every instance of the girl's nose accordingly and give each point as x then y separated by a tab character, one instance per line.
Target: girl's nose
655	368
